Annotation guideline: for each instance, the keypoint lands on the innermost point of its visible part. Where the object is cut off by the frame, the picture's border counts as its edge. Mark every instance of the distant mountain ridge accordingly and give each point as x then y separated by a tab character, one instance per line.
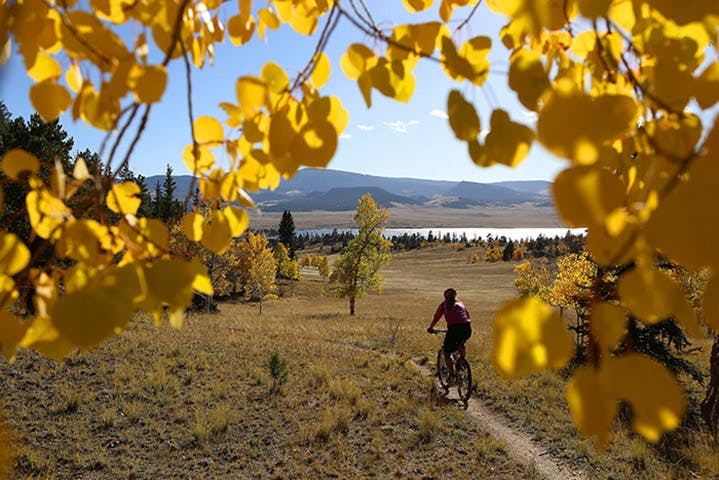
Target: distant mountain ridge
335	190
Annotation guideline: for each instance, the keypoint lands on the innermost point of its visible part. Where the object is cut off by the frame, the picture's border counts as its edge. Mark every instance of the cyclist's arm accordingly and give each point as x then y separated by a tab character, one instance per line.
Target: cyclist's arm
437	316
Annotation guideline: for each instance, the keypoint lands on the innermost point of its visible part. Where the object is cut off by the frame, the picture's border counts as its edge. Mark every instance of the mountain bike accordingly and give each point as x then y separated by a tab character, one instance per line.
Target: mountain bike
462	372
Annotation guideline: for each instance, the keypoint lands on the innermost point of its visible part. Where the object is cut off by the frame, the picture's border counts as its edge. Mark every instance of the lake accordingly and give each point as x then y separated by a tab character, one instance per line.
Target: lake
518	233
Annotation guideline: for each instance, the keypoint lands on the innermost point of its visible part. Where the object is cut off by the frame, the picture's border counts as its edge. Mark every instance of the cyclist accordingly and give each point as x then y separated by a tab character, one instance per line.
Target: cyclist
459	327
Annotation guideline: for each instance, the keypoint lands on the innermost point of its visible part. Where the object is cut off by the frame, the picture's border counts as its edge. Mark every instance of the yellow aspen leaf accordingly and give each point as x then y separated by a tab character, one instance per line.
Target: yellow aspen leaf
331	110
80	171
676	137
12	330
16	161
144	237
573	124
414	6
8	292
355	61
7	450
148	83
455	66
43	337
198	160
275	77
14	255
169	284
655	396
230	186
44	68
88	241
593	8
608	325
687	238
686	11
201	281
99	44
586	195
208	131
528	78
234	114
251	94
268	18
536	14
240	29
304	18
237	218
463	117
507	142
321	72
124	198
217	234
609	250
46	213
5	51
393	79
445	10
706	87
622	13
49	99
211	186
88	317
666	300
529	336
476	153
475	51
112	10
583	44
314	145
710	303
591	404
364	82
192	226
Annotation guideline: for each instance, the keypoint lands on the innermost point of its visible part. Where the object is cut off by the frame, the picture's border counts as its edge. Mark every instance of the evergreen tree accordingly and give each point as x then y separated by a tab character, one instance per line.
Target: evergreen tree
287	232
169	207
508	251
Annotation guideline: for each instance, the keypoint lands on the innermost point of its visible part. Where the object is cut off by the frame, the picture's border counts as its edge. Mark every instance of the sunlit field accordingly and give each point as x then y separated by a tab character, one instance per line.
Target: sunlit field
201	403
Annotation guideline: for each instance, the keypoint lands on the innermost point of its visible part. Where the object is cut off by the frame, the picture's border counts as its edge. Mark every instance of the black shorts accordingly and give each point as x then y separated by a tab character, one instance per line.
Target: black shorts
456	336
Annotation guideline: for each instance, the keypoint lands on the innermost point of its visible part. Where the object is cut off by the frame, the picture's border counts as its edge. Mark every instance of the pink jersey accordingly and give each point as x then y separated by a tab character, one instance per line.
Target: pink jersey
454	316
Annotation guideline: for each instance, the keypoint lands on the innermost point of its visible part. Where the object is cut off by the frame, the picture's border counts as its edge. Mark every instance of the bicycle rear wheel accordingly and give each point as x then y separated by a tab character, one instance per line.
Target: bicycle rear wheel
464	379
442	370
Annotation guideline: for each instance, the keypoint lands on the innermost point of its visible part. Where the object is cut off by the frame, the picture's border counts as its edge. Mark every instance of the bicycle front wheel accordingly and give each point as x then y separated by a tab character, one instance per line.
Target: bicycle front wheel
464	379
442	370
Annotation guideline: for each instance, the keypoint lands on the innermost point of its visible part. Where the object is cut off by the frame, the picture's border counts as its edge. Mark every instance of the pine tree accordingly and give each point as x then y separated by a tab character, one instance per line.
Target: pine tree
357	271
287	232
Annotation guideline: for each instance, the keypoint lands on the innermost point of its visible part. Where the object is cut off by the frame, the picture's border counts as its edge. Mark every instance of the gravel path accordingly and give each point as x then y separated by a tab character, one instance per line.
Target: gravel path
519	444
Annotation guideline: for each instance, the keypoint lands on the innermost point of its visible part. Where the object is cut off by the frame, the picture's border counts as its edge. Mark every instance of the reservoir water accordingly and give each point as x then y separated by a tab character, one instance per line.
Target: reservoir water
518	233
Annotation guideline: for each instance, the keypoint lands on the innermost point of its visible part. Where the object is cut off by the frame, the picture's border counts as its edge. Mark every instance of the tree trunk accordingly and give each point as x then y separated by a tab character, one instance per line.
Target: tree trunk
710	405
352	305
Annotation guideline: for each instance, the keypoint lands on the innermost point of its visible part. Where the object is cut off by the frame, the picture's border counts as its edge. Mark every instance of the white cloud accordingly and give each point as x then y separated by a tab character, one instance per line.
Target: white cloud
365	128
439	114
399	126
345	136
530	116
483	134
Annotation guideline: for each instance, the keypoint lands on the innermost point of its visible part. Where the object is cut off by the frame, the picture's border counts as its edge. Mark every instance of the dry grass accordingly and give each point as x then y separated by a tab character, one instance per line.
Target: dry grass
160	403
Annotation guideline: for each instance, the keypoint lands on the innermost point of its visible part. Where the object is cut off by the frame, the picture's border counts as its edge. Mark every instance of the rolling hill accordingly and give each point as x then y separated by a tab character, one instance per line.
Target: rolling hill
334	190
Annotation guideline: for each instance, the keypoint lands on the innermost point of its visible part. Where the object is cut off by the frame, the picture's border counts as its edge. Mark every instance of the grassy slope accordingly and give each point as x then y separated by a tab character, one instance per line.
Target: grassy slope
155	402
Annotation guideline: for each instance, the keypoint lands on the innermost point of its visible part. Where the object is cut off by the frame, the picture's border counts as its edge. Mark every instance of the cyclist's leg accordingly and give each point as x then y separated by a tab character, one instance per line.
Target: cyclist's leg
450	364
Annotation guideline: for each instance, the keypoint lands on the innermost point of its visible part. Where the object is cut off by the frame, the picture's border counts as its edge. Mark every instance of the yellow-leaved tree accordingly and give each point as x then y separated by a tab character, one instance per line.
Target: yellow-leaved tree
356	272
257	268
620	89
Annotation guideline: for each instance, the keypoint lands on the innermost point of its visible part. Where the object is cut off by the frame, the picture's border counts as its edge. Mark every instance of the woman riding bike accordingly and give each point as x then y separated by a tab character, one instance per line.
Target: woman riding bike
459	327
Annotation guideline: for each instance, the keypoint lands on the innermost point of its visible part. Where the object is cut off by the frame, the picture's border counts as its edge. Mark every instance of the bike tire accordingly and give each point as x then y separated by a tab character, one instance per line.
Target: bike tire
464	383
442	370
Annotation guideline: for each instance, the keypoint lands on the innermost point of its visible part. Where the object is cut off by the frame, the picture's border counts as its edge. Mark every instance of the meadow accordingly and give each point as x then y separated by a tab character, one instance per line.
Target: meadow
199	402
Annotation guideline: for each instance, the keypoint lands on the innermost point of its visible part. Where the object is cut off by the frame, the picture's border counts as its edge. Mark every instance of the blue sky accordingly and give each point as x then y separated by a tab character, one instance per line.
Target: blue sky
390	139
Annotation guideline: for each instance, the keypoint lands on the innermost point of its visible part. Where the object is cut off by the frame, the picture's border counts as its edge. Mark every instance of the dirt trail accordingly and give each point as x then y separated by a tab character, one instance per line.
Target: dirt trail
519	444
